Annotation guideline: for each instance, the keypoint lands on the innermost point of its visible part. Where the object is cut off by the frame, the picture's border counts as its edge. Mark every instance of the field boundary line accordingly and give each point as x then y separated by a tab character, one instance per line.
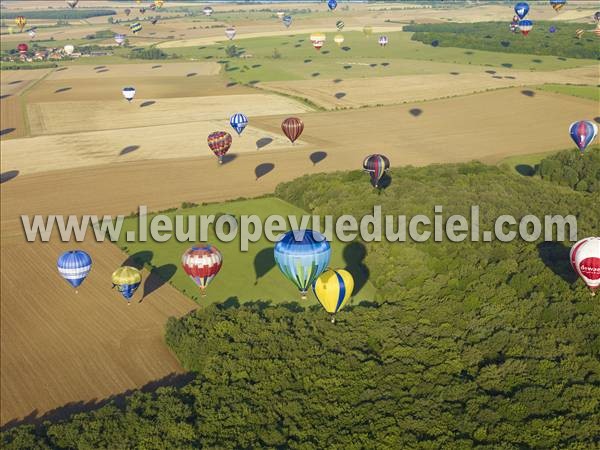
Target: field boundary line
22	97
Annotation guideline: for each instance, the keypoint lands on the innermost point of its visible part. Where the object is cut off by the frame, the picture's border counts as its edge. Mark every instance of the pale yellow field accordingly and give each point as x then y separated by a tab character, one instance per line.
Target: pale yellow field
356	92
133	71
49	118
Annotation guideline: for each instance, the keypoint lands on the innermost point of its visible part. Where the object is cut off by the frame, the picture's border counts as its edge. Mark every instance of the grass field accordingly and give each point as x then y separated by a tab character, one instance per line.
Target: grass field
250	275
589	92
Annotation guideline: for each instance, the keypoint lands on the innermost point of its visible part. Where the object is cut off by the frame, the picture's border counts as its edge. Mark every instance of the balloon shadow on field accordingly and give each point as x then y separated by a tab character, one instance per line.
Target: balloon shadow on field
338	80
525	170
231	84
491	72
228	158
8	175
139	259
317	157
191	74
148	103
556	257
339	95
6	131
157	277
65	89
15	82
597	119
507	65
346	49
156	67
129	149
263	142
315	74
528	93
262	169
61	69
99	67
415	112
264	261
354	255
2	97
454	73
102	70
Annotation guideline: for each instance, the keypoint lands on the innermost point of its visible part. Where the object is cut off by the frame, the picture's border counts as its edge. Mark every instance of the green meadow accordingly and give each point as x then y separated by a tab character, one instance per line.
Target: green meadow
589	92
250	275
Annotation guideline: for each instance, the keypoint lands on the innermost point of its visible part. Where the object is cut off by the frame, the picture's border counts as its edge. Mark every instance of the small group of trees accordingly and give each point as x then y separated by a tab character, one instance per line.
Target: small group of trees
580	171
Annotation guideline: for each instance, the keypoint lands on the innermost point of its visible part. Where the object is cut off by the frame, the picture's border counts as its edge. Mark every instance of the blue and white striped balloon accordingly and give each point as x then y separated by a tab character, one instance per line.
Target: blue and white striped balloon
74	266
287	21
238	121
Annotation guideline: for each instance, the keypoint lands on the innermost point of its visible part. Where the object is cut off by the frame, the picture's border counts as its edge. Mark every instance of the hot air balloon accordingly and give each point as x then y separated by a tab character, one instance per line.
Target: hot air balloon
367	31
120	38
552	29
135	27
74	266
338	39
579	33
339	25
22	48
230	33
525	26
332	4
207	11
69	49
126	279
143	11
129	93
127	11
72	3
21	21
597	16
31	33
239	122
317	40
585	259
557	4
292	127
583	133
333	289
202	264
376	165
280	14
383	40
287	21
302	255
159	3
521	9
154	21
514	27
219	142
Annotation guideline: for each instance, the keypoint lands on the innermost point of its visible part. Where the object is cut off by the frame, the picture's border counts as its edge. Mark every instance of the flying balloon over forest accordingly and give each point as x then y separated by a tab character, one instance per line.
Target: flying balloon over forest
219	142
238	122
74	266
585	259
302	255
525	26
376	165
292	127
126	279
202	264
333	289
583	133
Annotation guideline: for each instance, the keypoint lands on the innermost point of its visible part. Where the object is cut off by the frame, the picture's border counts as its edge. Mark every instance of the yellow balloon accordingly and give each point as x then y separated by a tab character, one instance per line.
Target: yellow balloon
338	39
333	289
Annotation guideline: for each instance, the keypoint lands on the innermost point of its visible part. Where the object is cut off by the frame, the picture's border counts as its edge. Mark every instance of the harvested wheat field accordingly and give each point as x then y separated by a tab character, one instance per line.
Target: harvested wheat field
357	92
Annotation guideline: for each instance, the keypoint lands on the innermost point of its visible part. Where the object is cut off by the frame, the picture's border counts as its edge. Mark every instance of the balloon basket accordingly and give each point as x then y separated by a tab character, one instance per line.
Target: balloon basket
332	319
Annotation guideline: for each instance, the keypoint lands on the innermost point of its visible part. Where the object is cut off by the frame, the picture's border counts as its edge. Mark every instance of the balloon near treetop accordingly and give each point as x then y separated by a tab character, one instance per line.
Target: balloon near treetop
202	264
376	165
333	288
74	266
302	255
585	260
583	133
292	127
219	142
127	279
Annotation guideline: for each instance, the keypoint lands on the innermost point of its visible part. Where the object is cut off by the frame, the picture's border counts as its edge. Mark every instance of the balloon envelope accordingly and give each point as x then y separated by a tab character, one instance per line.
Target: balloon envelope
21	21
120	38
292	127
525	26
338	39
585	259
521	9
339	25
583	133
207	11
74	266
332	4
22	48
239	122
202	264
317	40
302	255
126	279
383	40
128	93
219	142
230	33
135	27
557	5
287	21
333	289
376	165
69	49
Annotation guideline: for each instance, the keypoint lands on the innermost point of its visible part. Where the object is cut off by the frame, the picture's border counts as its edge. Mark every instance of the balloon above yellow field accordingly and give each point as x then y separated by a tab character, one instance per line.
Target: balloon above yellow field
21	21
292	127
126	279
74	266
128	93
208	11
338	39
317	40
219	142
72	3
230	33
333	289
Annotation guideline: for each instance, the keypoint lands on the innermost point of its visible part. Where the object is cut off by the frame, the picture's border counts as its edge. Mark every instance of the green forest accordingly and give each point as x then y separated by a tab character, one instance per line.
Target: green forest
496	37
470	345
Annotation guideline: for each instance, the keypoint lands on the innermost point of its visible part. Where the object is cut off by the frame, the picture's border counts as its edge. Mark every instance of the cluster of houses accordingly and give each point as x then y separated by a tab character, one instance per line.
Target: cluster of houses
53	54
